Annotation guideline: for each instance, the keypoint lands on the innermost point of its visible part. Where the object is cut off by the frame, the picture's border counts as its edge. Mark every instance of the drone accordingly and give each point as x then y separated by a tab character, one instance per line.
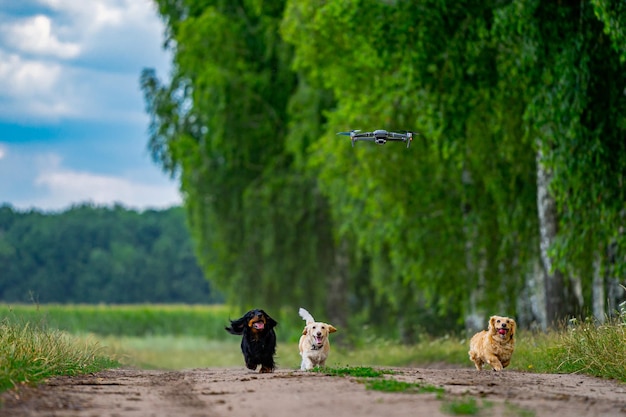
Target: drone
380	137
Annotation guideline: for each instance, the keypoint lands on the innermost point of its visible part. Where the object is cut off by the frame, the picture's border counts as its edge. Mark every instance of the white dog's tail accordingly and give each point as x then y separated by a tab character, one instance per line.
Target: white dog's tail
306	316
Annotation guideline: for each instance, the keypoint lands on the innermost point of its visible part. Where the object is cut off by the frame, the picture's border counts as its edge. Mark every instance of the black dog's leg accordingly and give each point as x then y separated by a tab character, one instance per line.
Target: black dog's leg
267	365
248	355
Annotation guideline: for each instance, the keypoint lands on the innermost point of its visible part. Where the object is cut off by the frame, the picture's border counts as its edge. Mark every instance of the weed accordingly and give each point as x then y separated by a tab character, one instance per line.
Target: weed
461	407
391	385
514	410
357	371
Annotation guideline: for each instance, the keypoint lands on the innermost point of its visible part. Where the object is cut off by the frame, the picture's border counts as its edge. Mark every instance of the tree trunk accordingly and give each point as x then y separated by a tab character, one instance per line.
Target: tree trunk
337	297
597	290
475	316
615	291
556	294
531	304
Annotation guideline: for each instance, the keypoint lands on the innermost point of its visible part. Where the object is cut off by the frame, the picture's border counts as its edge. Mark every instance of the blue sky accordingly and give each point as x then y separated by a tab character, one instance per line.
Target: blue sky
73	127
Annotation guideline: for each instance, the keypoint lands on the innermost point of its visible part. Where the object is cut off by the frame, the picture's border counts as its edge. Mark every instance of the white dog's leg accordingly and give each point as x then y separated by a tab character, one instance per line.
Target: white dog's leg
306	364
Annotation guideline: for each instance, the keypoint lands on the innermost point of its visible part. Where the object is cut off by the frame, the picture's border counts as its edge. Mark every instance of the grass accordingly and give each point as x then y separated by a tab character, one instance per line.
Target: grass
31	353
354	371
35	343
127	320
594	349
391	385
466	406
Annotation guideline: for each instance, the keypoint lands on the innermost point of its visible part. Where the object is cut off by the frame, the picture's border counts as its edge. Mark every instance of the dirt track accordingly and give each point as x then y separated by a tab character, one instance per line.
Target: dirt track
216	392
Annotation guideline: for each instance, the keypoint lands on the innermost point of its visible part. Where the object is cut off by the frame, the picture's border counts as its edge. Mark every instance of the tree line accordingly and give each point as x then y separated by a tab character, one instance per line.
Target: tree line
90	254
510	200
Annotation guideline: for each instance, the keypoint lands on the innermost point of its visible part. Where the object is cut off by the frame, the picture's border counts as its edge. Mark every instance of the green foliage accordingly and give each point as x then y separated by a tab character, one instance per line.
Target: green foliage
91	254
30	353
257	217
286	214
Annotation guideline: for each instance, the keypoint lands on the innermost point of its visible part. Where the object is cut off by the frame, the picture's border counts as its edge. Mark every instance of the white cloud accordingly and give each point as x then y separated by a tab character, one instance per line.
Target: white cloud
47	184
81	61
21	77
66	187
32	89
34	35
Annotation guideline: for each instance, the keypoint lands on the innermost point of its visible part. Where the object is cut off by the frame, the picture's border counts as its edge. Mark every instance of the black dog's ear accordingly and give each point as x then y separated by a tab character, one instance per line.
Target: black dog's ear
237	326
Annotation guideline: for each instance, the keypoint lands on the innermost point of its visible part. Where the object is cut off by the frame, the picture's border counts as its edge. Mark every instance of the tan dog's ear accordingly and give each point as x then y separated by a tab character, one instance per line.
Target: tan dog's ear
331	328
306	330
492	322
513	327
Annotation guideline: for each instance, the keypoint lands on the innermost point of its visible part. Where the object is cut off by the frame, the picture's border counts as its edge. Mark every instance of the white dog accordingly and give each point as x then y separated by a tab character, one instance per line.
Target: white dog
314	344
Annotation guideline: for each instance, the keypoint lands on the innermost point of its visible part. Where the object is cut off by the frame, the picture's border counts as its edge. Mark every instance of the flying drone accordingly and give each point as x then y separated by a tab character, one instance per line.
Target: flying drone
380	137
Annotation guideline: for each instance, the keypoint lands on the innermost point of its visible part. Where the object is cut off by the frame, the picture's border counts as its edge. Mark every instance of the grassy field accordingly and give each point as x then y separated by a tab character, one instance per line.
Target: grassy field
30	353
40	341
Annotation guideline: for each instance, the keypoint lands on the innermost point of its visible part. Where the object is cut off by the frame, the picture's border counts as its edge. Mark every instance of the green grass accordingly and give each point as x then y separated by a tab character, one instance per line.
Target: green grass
31	353
391	385
127	320
355	371
592	349
466	406
182	336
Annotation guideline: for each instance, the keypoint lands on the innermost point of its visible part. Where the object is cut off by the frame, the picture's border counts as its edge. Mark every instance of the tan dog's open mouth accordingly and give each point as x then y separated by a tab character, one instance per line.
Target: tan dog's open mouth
319	340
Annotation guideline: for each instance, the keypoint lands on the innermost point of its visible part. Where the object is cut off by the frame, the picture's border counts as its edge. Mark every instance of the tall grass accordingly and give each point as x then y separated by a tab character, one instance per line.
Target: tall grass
30	353
181	336
591	348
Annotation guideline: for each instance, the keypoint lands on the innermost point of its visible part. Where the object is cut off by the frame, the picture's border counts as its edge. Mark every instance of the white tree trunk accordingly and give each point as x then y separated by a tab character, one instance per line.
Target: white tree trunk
555	291
532	299
475	317
337	298
597	290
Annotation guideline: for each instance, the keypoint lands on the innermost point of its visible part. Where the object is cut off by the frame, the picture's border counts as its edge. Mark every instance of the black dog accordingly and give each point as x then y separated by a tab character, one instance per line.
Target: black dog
258	343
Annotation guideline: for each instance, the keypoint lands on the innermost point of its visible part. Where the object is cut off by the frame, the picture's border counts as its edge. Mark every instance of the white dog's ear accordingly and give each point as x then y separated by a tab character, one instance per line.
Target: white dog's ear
306	330
331	328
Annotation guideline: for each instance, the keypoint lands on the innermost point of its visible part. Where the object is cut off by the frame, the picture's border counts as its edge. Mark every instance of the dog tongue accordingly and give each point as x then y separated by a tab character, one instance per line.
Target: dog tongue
258	325
502	331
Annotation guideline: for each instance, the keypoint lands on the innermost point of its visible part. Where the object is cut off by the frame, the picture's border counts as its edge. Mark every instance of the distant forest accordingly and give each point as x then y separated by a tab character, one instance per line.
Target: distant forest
91	254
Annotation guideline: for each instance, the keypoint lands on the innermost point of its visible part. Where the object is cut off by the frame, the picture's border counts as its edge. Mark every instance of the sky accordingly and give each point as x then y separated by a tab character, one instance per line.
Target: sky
73	126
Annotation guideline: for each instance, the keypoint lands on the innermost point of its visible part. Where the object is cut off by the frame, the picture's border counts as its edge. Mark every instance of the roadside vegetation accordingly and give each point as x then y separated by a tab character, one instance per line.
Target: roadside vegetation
30	353
37	342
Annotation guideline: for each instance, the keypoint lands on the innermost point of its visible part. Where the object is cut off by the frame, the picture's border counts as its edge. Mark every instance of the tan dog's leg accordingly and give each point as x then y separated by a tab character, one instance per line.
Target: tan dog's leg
494	362
478	362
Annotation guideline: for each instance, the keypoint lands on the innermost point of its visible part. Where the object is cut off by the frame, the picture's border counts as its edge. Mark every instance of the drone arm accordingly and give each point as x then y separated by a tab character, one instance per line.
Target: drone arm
398	136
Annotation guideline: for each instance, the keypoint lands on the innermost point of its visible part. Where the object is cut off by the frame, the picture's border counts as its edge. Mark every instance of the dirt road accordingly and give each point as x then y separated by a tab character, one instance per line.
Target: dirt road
218	392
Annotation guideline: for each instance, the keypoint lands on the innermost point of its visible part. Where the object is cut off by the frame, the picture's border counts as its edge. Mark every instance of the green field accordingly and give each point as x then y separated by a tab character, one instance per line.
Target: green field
181	337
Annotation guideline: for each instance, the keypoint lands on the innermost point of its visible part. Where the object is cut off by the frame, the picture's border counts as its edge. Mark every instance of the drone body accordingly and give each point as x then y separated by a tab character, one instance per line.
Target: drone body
380	137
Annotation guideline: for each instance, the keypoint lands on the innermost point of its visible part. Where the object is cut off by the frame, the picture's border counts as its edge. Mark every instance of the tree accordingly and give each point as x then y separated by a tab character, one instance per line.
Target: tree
261	227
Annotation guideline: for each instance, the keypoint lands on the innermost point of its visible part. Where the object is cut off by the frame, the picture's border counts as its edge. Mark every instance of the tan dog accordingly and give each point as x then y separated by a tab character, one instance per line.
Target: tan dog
314	344
494	346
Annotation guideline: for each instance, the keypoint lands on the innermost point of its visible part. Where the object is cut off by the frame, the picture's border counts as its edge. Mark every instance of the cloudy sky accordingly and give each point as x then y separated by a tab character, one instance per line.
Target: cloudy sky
72	122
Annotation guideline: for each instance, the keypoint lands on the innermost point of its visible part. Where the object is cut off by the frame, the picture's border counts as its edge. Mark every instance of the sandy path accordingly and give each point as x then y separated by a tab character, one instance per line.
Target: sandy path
218	392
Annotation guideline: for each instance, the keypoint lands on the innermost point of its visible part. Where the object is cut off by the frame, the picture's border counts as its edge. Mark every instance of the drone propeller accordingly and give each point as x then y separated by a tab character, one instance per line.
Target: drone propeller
350	133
